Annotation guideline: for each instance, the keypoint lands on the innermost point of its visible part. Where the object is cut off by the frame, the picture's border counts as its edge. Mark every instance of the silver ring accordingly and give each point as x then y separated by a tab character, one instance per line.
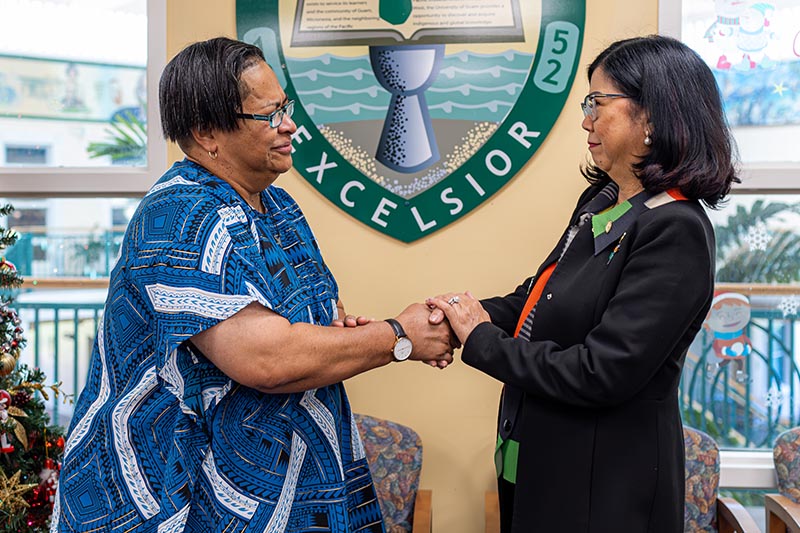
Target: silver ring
454	300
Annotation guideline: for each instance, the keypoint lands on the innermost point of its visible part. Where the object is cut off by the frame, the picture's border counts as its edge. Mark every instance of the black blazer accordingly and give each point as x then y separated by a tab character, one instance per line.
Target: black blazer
601	444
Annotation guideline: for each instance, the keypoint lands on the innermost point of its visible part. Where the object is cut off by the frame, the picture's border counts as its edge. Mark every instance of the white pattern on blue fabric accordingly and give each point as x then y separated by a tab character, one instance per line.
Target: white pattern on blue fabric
225	493
166	299
177	180
82	427
324	419
212	395
256	239
255	293
214	252
232	215
280	516
175	523
174	381
56	511
356	444
131	471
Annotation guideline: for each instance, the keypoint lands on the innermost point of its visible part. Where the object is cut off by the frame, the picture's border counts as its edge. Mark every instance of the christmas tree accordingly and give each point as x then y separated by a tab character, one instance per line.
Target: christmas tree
30	448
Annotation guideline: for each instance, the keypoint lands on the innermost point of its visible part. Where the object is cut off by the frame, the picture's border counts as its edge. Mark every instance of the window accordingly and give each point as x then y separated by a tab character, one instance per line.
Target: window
65	252
753	48
71	73
26	216
78	89
26	155
741	381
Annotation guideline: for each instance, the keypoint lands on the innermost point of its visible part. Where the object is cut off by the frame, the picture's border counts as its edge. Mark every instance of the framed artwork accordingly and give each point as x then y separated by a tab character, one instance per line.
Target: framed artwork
753	49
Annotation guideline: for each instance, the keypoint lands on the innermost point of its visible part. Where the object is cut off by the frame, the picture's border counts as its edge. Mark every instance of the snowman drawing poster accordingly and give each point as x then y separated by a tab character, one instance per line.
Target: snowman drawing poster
753	49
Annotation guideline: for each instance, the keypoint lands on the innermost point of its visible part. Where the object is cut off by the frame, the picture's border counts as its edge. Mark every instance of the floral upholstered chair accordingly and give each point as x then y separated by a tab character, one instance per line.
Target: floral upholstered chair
783	510
705	511
394	453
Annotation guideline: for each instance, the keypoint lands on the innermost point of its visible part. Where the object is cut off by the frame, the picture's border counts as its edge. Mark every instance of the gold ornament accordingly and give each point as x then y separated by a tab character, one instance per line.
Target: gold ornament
7	364
19	432
11	491
19	429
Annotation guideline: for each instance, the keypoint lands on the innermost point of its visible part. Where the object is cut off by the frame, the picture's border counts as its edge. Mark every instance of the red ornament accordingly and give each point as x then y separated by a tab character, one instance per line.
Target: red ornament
41	499
7	264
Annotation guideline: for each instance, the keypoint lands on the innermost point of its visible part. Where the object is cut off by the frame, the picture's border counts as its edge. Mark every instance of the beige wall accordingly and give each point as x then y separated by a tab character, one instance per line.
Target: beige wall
488	252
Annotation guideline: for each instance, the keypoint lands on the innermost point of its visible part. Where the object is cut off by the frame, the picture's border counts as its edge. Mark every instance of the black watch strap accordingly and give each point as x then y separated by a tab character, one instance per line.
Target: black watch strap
396	327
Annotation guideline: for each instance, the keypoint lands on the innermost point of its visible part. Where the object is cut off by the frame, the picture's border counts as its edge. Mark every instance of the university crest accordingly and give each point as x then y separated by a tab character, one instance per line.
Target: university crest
411	113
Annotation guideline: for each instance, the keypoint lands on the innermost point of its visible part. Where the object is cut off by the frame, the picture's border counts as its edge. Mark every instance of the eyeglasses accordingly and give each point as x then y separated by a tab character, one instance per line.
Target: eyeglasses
275	118
588	107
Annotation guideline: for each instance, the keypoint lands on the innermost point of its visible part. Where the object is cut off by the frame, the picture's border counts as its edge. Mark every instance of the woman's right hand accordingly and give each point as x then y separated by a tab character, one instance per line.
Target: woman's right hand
463	311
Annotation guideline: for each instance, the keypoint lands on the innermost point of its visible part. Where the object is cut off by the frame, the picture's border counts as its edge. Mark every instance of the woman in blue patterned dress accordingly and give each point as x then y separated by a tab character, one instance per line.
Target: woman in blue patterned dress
214	399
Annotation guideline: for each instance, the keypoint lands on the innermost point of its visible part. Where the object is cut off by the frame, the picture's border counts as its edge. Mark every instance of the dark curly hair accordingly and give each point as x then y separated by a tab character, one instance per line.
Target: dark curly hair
692	147
201	87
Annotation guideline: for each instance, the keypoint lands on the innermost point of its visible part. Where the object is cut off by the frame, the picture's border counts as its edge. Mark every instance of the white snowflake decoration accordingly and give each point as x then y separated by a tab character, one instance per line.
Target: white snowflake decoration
758	237
789	305
775	397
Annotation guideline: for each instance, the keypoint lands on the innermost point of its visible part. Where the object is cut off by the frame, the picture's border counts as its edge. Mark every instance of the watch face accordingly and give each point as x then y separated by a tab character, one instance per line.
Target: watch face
402	349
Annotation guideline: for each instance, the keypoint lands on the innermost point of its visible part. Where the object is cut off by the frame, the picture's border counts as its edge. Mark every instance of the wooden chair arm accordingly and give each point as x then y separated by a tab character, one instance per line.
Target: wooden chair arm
734	518
491	507
423	512
781	513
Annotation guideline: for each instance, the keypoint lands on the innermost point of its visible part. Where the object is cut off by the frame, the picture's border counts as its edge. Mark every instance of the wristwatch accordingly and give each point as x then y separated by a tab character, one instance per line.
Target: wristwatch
402	344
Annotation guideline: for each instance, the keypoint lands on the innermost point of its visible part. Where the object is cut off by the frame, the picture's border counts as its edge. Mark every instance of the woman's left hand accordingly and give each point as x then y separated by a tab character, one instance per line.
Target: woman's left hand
463	311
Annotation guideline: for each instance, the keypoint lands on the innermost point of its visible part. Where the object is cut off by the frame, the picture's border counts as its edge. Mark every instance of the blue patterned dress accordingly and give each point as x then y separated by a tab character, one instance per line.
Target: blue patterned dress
161	440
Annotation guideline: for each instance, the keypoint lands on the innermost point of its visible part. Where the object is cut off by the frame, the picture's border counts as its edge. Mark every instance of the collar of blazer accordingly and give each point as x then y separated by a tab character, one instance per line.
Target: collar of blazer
610	226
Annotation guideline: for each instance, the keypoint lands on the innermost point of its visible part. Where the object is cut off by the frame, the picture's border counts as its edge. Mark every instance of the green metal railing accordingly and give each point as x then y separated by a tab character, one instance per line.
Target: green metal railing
54	332
737	414
89	255
752	412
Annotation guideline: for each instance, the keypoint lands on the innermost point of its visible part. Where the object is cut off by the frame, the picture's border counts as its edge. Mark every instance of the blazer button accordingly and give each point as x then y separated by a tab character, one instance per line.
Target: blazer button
506	425
549	295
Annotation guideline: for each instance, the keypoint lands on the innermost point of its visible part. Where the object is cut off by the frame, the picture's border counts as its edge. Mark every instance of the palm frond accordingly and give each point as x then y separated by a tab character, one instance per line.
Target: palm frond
738	263
127	139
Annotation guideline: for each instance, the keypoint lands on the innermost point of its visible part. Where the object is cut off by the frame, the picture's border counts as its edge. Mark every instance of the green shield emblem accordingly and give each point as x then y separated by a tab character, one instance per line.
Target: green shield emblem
411	113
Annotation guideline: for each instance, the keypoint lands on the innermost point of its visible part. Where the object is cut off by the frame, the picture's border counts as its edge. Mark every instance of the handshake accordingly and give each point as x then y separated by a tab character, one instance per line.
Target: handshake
435	328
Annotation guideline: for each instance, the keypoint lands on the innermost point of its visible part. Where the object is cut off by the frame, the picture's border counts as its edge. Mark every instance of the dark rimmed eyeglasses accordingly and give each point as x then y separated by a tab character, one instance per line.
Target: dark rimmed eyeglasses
588	107
275	118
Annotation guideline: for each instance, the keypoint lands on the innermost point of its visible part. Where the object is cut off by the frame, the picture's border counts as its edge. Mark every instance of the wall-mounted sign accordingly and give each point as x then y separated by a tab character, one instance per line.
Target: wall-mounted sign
411	113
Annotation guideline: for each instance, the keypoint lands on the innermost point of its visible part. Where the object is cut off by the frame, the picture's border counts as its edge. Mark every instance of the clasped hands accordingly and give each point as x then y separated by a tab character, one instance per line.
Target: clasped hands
436	328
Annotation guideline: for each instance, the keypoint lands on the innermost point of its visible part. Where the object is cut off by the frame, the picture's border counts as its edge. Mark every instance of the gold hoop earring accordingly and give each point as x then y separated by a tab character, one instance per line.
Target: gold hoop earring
212	155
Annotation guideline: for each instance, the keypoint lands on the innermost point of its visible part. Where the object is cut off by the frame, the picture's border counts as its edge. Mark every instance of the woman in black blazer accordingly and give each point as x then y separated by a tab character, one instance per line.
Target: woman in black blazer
591	347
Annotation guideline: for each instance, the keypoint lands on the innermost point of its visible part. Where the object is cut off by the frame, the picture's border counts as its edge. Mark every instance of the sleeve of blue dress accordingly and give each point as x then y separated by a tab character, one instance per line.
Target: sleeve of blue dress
188	263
